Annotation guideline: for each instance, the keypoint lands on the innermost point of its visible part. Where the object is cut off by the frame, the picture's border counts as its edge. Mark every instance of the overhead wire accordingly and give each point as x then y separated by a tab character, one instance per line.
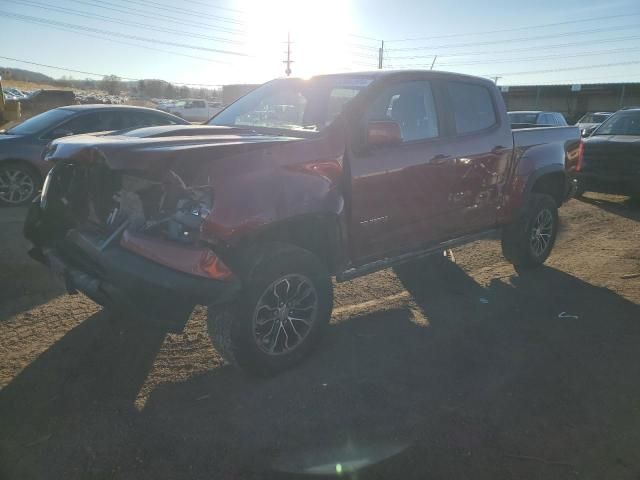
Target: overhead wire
515	29
46	22
145	26
155	16
521	39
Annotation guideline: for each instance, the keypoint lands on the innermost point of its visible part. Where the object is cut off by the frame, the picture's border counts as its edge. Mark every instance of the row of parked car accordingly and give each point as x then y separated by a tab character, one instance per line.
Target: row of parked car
611	161
534	118
15	94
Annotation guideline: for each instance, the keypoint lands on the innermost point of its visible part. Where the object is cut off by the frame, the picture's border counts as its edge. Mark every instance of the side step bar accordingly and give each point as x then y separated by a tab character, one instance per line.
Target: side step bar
377	265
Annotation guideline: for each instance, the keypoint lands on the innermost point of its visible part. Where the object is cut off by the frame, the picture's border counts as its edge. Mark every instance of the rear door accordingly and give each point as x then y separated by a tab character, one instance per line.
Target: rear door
400	191
480	152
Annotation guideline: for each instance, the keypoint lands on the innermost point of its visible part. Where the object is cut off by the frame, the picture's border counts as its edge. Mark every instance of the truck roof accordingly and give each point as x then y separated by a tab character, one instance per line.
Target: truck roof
378	74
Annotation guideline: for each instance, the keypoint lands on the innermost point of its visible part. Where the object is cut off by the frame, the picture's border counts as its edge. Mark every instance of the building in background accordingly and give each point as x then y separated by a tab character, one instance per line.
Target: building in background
572	101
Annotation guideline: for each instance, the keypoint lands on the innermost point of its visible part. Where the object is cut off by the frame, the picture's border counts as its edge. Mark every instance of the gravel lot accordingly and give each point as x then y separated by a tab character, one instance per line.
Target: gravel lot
470	372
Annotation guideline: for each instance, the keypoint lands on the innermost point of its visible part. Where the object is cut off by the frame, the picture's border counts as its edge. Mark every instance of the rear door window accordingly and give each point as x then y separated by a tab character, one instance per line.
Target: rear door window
473	108
84	123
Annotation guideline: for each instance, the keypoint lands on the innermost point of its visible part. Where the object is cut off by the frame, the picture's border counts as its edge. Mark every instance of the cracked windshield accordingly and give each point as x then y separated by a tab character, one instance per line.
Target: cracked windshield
291	239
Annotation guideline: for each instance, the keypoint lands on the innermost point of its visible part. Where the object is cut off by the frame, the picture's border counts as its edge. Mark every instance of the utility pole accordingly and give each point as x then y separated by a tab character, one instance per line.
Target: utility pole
496	78
380	55
435	57
288	61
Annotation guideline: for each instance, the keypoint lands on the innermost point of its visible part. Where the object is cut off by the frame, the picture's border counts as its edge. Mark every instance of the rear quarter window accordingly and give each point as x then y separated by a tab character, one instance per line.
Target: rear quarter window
473	108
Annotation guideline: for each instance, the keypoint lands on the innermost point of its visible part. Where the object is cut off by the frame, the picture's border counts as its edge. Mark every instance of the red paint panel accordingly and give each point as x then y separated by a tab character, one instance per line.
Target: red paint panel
198	261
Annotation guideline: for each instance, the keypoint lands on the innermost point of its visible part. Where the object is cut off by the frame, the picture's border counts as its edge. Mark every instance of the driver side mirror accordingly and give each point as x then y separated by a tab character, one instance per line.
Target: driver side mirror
60	132
383	133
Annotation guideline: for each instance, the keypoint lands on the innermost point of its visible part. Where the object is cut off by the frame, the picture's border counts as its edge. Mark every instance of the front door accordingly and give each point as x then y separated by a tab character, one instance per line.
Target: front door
400	192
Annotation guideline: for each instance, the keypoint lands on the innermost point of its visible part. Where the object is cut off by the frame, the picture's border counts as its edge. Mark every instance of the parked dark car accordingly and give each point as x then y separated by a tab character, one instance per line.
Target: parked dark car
532	119
298	181
43	100
611	161
22	168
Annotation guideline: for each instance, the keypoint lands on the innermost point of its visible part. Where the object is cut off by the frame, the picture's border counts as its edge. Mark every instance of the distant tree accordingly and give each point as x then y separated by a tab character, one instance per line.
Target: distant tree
184	92
111	84
170	91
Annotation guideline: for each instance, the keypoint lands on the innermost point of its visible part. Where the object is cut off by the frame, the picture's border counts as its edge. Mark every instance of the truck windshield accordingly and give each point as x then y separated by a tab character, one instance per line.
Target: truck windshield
622	123
293	104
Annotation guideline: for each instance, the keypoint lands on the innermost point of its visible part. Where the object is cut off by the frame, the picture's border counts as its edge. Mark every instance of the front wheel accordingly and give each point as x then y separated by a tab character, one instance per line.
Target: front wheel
528	241
280	315
19	183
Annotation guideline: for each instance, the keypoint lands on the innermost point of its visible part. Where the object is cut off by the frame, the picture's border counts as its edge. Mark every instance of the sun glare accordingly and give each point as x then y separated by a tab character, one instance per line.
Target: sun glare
316	28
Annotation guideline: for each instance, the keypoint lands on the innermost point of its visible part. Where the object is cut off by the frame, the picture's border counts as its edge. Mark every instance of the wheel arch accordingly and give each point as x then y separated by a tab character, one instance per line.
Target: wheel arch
322	234
551	180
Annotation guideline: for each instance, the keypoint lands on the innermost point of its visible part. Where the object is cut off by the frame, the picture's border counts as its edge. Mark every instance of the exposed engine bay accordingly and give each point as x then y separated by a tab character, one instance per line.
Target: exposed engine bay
168	207
111	201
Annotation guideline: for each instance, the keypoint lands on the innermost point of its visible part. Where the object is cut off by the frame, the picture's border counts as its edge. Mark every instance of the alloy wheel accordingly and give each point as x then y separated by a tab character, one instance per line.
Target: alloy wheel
285	314
16	185
541	232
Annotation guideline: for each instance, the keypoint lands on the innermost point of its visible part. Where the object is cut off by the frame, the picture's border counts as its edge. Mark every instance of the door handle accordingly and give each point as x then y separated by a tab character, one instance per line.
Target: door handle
441	159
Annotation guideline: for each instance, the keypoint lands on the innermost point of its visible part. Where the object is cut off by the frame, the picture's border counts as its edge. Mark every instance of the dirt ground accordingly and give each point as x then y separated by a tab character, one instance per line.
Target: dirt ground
470	372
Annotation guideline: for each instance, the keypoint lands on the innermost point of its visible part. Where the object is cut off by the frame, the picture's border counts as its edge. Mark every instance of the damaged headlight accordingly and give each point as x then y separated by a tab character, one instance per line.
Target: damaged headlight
188	218
166	207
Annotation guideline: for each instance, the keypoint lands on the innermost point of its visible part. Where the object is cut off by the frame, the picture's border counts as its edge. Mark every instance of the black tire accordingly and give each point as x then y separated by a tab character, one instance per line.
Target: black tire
231	326
521	240
23	195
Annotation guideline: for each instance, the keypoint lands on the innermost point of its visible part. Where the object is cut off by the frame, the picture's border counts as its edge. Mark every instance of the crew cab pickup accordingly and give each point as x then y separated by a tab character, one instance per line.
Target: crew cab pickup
296	182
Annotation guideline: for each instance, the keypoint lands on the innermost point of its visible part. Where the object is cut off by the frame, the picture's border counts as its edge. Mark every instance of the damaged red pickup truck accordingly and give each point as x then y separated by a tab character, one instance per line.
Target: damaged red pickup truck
298	181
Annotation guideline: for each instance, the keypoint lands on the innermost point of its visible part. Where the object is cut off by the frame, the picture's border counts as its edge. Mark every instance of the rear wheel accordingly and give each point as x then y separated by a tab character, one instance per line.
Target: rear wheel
528	241
280	315
19	183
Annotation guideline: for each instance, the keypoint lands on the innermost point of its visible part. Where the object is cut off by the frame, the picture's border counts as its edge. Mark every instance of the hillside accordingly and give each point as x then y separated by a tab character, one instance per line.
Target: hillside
19	74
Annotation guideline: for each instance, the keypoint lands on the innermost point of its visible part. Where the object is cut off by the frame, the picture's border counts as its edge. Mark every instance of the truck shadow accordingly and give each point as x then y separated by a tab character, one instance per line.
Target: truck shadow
629	208
541	365
23	282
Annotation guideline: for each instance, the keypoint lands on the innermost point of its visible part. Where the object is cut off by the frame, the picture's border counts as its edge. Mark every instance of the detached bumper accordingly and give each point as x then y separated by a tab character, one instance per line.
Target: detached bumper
115	274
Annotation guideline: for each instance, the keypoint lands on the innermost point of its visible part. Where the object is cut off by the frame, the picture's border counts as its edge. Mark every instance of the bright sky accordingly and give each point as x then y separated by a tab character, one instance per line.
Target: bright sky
216	42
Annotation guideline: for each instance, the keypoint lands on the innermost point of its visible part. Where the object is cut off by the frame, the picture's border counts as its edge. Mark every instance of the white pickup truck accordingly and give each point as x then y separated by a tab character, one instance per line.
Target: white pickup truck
193	110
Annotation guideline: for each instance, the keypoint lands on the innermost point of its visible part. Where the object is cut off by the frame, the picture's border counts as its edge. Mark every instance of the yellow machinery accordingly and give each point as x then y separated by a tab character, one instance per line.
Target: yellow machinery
9	110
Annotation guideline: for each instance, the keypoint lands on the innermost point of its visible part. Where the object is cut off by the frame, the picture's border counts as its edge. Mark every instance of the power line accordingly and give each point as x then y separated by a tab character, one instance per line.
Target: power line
122	42
513	50
101	74
515	29
233	10
521	39
145	26
565	69
546	57
46	22
155	16
183	11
